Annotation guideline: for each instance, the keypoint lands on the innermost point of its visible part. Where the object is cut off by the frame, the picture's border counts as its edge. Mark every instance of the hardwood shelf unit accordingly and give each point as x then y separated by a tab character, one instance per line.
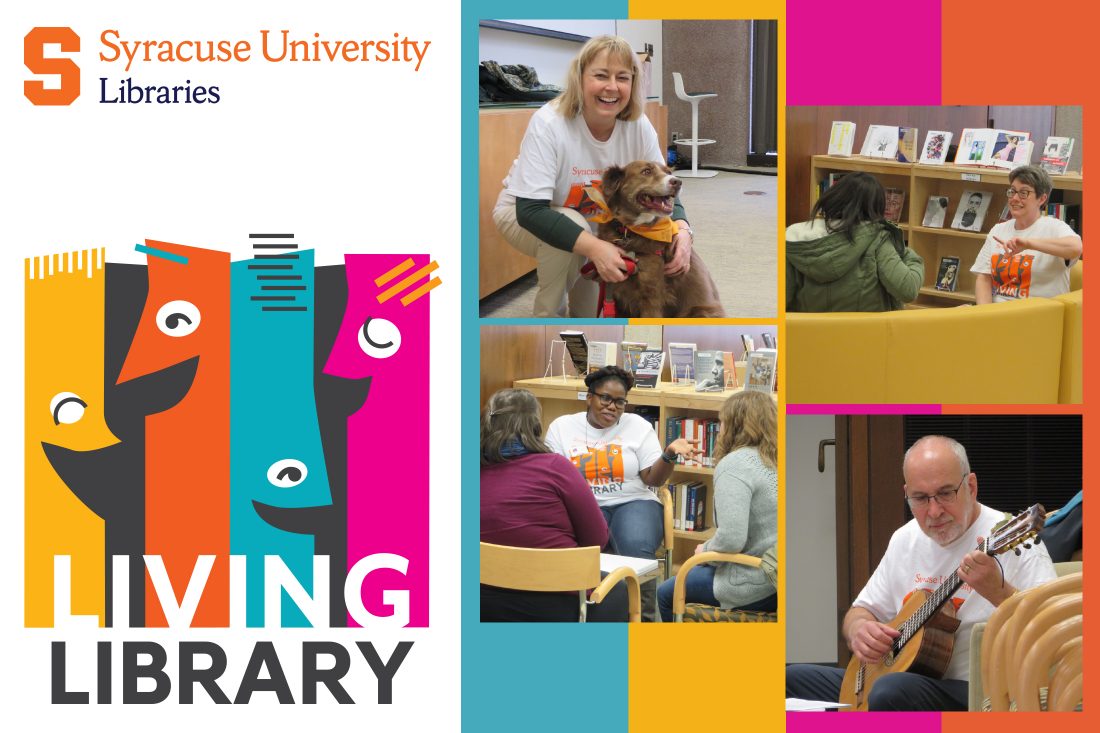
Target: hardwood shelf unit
923	181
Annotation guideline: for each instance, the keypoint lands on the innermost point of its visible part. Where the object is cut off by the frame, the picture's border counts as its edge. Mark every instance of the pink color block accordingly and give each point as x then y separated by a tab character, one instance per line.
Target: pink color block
808	409
388	437
864	722
863	52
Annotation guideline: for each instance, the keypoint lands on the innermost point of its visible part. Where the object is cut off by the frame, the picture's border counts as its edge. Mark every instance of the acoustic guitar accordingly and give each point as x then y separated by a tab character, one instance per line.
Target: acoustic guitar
927	622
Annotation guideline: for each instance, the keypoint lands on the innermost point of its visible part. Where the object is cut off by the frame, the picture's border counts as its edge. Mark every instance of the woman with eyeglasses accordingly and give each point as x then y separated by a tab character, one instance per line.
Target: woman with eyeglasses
619	455
1030	255
532	497
847	257
746	502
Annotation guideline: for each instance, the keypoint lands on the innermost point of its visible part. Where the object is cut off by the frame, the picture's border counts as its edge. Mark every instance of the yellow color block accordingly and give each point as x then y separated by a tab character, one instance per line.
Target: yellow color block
64	354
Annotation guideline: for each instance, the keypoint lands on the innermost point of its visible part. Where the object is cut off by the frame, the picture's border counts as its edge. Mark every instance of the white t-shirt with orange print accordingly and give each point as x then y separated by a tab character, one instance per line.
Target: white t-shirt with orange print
609	459
1029	273
913	560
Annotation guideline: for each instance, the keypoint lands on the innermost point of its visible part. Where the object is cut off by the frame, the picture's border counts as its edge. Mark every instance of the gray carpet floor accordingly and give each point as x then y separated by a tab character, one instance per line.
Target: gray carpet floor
735	222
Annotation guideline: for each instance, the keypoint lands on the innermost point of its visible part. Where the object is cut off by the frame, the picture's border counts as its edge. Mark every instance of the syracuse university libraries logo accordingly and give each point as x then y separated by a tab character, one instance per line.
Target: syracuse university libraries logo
227	444
64	69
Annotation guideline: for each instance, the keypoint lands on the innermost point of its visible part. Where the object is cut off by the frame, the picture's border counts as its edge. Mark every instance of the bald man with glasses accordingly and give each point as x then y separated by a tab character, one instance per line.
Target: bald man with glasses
948	522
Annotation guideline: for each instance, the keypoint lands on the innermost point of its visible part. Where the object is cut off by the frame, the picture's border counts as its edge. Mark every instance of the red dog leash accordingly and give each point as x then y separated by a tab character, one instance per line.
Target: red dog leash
605	308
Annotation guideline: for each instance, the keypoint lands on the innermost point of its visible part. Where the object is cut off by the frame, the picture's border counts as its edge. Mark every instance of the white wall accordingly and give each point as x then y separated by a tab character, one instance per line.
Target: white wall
639	33
812	624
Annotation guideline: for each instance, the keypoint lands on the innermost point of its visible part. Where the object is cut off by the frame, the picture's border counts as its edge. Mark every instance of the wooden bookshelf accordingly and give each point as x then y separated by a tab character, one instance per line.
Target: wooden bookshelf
923	181
565	395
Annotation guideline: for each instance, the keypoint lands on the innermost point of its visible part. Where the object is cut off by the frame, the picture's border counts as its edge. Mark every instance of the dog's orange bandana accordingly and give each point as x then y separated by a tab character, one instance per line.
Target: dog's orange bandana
663	230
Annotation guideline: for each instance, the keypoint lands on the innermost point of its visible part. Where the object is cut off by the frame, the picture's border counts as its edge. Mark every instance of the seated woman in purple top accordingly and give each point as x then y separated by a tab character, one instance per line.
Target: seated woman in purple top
531	497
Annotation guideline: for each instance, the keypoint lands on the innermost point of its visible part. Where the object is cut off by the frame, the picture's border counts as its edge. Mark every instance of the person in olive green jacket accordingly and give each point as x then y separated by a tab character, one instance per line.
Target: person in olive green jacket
848	257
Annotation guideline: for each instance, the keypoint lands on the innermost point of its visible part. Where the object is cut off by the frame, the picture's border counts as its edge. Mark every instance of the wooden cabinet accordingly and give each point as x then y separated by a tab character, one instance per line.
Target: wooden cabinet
500	131
923	181
564	396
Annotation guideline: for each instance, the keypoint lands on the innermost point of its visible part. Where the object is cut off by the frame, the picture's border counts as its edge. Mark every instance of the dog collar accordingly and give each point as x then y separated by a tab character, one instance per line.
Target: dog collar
663	230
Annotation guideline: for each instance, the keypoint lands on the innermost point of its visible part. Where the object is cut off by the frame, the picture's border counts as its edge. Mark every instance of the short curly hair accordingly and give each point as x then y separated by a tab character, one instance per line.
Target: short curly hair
604	374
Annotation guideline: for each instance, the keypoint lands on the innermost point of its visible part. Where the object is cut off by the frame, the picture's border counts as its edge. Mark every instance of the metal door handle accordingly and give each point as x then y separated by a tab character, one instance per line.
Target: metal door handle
821	453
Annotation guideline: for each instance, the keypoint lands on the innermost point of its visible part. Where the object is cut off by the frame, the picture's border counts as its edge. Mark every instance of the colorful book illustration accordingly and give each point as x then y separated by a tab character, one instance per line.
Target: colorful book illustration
895	200
936	144
907	144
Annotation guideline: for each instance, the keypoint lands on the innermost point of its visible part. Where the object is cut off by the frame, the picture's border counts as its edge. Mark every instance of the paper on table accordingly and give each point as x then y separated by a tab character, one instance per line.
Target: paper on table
796	704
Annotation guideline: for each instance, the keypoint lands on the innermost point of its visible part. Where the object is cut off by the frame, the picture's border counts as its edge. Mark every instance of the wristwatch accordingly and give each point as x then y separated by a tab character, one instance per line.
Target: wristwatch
667	458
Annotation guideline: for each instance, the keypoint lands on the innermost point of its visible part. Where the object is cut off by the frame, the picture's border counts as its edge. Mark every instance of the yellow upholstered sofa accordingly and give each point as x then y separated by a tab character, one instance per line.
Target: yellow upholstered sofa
1017	353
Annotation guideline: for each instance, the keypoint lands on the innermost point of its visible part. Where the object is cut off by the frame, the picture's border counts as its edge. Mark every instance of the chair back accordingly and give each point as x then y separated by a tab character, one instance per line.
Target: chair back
1034	671
664	552
678	83
525	568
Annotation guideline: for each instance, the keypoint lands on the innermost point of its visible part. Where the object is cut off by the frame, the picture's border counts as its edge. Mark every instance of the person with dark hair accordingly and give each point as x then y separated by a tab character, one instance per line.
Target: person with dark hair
746	505
619	456
847	257
531	497
1029	255
597	122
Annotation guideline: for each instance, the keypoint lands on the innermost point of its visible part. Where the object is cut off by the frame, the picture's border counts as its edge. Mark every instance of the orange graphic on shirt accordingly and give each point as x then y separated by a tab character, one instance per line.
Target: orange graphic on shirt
601	465
579	200
1012	275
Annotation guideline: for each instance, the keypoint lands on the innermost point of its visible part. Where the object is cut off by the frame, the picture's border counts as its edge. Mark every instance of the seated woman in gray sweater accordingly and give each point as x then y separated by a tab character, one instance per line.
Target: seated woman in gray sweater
746	497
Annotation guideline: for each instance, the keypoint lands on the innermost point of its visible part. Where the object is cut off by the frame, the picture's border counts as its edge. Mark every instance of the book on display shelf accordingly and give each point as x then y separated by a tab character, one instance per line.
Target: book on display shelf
650	364
895	200
841	138
907	144
986	147
769	340
601	354
760	370
947	277
681	359
631	350
747	342
1056	153
935	213
710	371
936	144
577	346
970	215
881	141
729	366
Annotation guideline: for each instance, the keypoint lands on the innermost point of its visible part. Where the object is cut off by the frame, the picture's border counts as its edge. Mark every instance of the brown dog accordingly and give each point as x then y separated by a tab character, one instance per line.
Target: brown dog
640	195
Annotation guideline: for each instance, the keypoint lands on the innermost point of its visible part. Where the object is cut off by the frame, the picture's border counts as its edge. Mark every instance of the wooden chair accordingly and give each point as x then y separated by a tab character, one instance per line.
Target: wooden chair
664	552
1033	674
698	612
998	640
574	569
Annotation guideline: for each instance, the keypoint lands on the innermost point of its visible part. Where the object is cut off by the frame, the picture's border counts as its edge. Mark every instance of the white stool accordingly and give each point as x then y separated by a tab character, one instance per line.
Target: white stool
694	141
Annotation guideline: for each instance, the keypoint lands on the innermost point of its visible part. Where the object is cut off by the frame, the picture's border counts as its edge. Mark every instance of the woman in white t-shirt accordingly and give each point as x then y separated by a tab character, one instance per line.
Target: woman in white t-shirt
597	122
1030	255
620	457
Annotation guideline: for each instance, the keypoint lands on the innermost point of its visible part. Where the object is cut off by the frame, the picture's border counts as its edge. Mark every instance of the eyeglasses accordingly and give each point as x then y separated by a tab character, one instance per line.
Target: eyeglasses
943	498
1023	194
606	399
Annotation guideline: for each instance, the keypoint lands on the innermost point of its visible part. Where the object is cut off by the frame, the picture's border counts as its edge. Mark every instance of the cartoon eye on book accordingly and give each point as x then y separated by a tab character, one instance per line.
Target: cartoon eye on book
64	411
278	463
384	336
184	327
